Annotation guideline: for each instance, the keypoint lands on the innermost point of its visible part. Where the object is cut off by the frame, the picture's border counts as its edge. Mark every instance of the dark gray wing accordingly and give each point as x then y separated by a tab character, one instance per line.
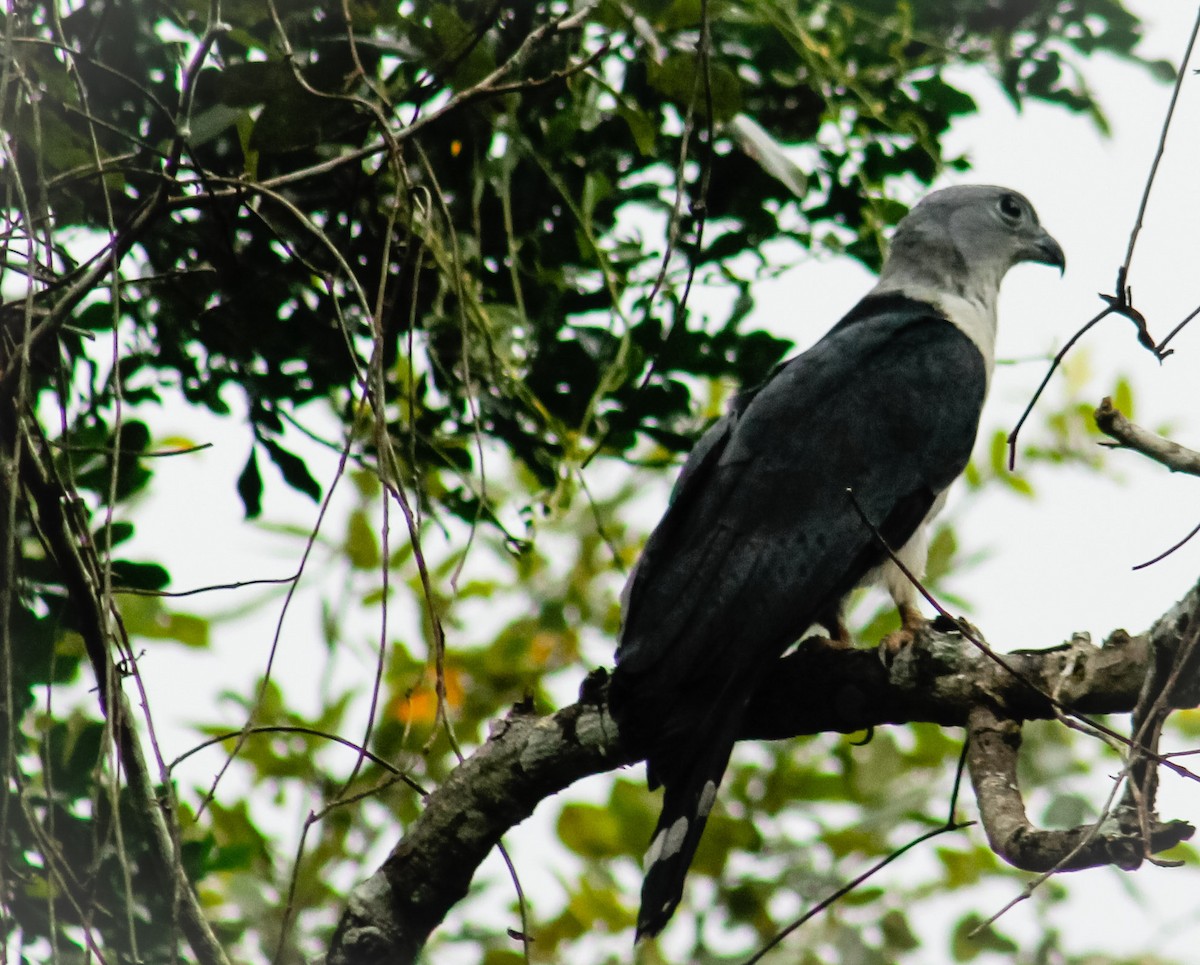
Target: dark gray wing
761	540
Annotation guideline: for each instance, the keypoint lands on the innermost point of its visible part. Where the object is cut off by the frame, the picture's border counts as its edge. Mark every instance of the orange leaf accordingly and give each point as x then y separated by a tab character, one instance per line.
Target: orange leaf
419	706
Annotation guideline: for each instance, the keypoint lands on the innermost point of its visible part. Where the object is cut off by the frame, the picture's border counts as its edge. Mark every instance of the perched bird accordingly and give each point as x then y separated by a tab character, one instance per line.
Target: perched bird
765	534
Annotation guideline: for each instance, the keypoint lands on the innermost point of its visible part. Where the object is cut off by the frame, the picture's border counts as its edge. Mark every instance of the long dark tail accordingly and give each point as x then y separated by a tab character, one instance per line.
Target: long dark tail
689	792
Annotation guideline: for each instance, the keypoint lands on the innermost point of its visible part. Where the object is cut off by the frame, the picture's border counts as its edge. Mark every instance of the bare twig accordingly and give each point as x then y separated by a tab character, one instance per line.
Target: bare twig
1169	550
849	886
1128	435
1179	328
1119	304
1162	145
311	732
950	825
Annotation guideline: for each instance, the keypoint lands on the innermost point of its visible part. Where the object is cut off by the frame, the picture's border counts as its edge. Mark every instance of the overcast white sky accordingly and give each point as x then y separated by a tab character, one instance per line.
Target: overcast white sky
1060	563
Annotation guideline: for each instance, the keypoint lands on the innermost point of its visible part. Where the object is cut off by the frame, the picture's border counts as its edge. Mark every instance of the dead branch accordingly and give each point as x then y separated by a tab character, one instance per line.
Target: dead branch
1129	435
993	742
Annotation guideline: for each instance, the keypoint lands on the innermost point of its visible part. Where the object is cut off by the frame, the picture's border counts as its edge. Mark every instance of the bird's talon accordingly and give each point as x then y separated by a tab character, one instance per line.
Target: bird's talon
912	623
891	646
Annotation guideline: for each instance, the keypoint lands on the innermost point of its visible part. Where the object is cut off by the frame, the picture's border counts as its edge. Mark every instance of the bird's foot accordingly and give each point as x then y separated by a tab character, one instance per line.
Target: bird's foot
891	646
911	624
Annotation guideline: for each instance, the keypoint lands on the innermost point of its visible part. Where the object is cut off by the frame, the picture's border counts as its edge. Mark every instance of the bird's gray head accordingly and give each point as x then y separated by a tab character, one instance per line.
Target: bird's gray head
962	240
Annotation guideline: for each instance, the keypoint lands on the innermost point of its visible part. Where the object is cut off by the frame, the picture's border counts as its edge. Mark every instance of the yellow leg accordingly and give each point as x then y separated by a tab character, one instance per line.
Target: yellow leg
911	623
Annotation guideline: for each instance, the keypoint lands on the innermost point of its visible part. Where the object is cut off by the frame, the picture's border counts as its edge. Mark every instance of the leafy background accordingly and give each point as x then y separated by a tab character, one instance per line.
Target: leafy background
476	331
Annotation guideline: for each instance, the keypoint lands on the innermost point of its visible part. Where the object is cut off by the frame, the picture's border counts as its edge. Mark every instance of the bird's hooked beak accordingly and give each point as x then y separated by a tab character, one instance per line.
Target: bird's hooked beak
1044	250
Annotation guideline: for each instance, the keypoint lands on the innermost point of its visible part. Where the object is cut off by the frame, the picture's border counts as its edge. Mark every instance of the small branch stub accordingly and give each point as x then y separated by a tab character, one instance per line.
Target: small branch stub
1129	435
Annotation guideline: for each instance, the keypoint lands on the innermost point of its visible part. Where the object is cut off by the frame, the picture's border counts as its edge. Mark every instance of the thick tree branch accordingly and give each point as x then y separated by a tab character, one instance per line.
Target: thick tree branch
942	678
526	758
1129	435
992	745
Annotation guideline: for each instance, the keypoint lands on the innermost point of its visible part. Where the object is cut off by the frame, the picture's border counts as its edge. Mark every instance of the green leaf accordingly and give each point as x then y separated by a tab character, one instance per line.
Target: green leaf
852	840
722	836
75	749
998	452
680	78
362	545
640	127
106	537
206	125
293	469
965	867
897	933
1018	484
147	616
458	42
966	947
1162	70
591	831
250	487
139	576
1122	397
96	317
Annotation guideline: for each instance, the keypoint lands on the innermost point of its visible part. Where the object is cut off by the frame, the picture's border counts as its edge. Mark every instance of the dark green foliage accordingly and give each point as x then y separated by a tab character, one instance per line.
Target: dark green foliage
508	219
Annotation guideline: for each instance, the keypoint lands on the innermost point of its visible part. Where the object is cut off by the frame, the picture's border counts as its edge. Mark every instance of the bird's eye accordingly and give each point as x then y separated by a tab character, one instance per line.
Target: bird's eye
1010	208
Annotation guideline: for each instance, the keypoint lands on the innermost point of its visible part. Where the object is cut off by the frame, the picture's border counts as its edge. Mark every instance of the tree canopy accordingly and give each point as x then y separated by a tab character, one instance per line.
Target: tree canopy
434	266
